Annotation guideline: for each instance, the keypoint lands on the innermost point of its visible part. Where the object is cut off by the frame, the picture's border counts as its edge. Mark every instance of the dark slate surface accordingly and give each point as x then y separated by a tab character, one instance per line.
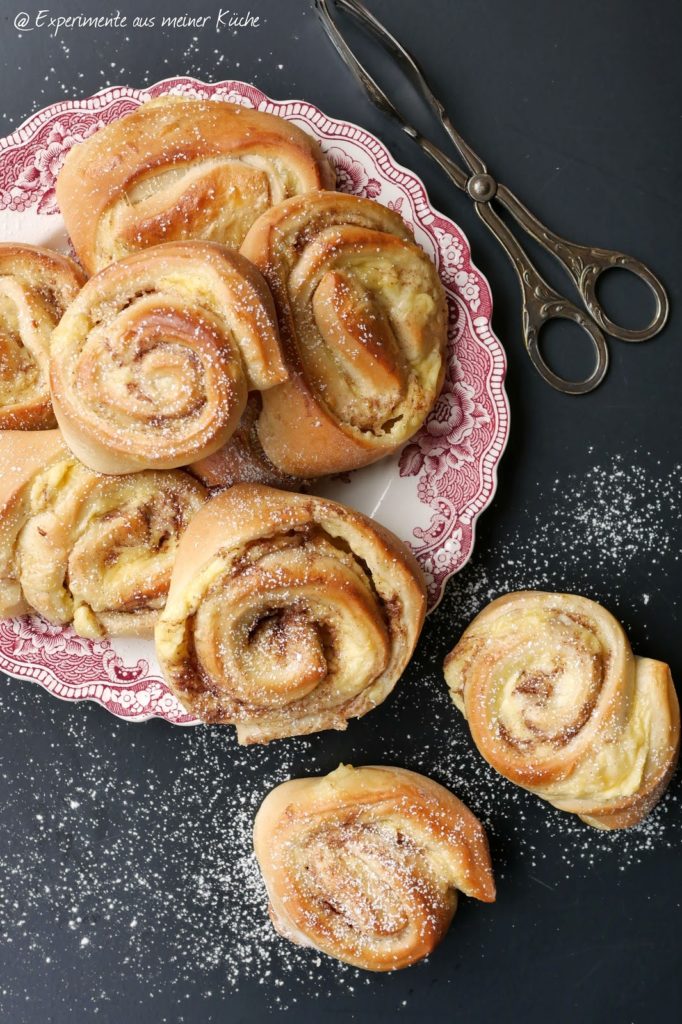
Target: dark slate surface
126	891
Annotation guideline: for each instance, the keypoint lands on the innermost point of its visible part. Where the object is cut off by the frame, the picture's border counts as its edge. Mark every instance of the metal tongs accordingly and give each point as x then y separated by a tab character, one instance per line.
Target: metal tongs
582	263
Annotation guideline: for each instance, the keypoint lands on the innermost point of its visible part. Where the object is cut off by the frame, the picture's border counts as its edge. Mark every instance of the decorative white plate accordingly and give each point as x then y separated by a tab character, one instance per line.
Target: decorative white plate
430	494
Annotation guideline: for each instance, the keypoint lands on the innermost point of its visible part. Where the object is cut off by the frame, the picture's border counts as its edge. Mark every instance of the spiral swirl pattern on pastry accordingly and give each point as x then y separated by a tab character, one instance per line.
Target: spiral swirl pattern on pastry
363	320
36	286
178	169
287	614
557	702
151	365
80	547
365	863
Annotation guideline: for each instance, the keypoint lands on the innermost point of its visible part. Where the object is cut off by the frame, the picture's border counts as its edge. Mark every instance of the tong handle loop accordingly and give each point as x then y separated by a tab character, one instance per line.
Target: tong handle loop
585	264
595	262
541	305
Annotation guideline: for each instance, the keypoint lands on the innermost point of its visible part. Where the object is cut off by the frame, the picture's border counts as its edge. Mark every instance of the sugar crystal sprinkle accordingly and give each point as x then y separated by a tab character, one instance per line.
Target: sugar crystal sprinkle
125	851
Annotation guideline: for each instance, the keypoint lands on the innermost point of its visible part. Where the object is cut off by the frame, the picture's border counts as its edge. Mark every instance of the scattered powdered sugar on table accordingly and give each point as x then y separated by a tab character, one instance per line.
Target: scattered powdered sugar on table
143	870
604	523
117	860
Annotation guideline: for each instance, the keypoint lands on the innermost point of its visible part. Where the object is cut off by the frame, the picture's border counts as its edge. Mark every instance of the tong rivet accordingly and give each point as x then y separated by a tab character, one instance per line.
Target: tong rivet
481	187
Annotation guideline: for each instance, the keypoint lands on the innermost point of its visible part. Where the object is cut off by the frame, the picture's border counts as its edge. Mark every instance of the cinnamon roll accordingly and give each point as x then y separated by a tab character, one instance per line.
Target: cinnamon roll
363	320
151	364
287	614
177	169
79	547
36	286
557	702
365	864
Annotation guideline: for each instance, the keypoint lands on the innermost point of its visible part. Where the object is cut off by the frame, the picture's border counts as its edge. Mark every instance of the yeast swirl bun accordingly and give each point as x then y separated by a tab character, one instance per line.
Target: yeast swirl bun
557	702
365	864
179	168
287	614
363	321
151	364
36	286
80	547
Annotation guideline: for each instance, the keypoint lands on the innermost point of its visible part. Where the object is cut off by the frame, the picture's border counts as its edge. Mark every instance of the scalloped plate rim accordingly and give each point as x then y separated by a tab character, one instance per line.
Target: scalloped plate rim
499	396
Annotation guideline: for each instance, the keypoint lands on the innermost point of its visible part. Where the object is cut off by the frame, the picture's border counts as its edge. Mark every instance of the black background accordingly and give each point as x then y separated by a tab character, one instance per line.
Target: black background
576	105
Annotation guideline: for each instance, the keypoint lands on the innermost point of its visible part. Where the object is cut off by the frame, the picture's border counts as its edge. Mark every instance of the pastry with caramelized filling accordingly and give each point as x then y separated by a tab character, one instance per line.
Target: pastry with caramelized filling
151	365
82	548
363	321
287	614
178	169
366	864
557	702
36	286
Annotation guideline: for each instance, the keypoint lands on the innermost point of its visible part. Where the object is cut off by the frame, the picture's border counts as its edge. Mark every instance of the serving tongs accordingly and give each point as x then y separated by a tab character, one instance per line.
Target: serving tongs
583	264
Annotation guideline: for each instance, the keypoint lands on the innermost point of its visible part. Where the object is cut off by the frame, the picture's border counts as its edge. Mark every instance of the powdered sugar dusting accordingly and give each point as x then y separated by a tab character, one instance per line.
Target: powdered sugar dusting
117	858
138	870
613	525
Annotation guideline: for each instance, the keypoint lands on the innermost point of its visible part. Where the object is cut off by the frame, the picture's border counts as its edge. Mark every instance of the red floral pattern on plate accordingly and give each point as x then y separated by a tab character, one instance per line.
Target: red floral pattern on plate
440	482
76	669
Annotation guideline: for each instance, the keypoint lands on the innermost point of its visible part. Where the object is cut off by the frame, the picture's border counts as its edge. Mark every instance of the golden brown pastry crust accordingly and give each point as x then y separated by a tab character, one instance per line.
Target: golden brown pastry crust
151	365
557	702
287	614
365	863
363	319
80	547
242	459
36	286
180	168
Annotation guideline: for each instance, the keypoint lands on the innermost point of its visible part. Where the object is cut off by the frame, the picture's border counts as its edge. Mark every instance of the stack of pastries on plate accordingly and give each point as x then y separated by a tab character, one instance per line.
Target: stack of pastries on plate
245	330
185	375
